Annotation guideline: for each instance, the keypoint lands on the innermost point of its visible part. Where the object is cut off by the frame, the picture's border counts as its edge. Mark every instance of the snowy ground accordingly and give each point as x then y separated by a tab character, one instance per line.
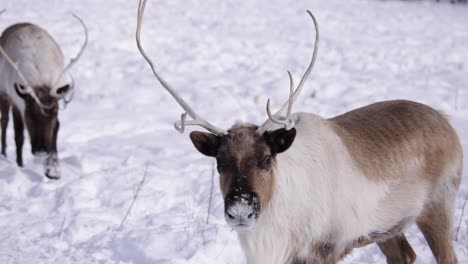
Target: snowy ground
238	51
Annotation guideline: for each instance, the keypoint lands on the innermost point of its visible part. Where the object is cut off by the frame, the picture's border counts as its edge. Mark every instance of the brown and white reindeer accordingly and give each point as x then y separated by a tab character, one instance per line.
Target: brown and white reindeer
33	78
306	189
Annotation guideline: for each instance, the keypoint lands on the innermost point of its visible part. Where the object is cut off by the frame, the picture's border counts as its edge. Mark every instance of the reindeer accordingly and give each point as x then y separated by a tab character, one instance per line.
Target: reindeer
306	189
33	78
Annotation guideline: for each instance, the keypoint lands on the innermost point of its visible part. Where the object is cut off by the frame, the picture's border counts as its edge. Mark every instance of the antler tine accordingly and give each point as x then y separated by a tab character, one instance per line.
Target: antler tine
28	89
179	125
288	122
77	57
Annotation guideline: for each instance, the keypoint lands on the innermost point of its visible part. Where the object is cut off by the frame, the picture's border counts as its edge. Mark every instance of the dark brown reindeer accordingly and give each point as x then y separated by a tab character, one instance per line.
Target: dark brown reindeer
305	189
33	78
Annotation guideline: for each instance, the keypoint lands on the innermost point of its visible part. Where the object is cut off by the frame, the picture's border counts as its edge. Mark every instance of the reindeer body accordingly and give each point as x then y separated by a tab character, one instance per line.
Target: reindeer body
32	61
358	178
302	189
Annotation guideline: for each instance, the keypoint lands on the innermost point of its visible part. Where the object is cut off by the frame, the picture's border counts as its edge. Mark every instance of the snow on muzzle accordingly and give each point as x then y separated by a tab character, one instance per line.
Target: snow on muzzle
41	153
241	210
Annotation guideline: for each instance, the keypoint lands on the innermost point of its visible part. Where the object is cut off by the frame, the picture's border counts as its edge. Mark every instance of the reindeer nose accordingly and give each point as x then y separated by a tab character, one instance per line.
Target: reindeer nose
241	210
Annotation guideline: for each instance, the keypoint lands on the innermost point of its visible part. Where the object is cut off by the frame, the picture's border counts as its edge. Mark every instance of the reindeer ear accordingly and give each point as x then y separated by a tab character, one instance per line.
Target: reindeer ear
206	143
19	89
280	140
63	90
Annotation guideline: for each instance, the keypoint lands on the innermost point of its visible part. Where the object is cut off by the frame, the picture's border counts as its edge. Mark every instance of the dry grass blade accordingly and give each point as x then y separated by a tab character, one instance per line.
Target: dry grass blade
461	218
135	196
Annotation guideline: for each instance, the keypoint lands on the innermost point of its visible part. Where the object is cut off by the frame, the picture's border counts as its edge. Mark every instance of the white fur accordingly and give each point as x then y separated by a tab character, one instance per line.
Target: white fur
39	59
320	196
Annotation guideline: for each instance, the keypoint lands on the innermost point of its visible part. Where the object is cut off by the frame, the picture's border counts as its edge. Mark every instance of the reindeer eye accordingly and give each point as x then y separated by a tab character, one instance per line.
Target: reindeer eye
220	165
266	162
21	91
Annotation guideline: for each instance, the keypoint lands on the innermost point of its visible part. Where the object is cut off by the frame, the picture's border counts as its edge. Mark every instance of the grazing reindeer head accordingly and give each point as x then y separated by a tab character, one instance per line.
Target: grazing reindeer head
245	154
40	122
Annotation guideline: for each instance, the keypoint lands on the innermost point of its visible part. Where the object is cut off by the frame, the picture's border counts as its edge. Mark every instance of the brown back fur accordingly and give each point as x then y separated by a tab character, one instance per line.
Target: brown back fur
384	136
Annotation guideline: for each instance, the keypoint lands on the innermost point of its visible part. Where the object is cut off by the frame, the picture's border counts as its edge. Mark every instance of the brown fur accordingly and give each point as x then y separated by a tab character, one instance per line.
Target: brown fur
19	135
397	250
395	132
436	225
41	127
5	105
241	148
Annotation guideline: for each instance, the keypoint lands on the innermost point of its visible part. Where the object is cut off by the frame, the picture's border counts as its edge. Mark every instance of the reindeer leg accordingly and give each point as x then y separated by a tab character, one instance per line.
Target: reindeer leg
52	170
19	135
397	250
4	110
436	225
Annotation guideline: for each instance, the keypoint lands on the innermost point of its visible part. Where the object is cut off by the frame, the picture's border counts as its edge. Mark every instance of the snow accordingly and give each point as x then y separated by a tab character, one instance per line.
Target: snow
226	58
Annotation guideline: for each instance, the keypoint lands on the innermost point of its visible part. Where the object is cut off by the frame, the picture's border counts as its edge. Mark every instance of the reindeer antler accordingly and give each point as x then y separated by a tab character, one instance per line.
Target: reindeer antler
27	88
179	125
287	121
77	57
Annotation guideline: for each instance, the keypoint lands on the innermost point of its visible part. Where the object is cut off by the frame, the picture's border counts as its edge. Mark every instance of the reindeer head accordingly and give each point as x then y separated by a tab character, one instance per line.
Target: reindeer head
246	154
246	163
41	122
